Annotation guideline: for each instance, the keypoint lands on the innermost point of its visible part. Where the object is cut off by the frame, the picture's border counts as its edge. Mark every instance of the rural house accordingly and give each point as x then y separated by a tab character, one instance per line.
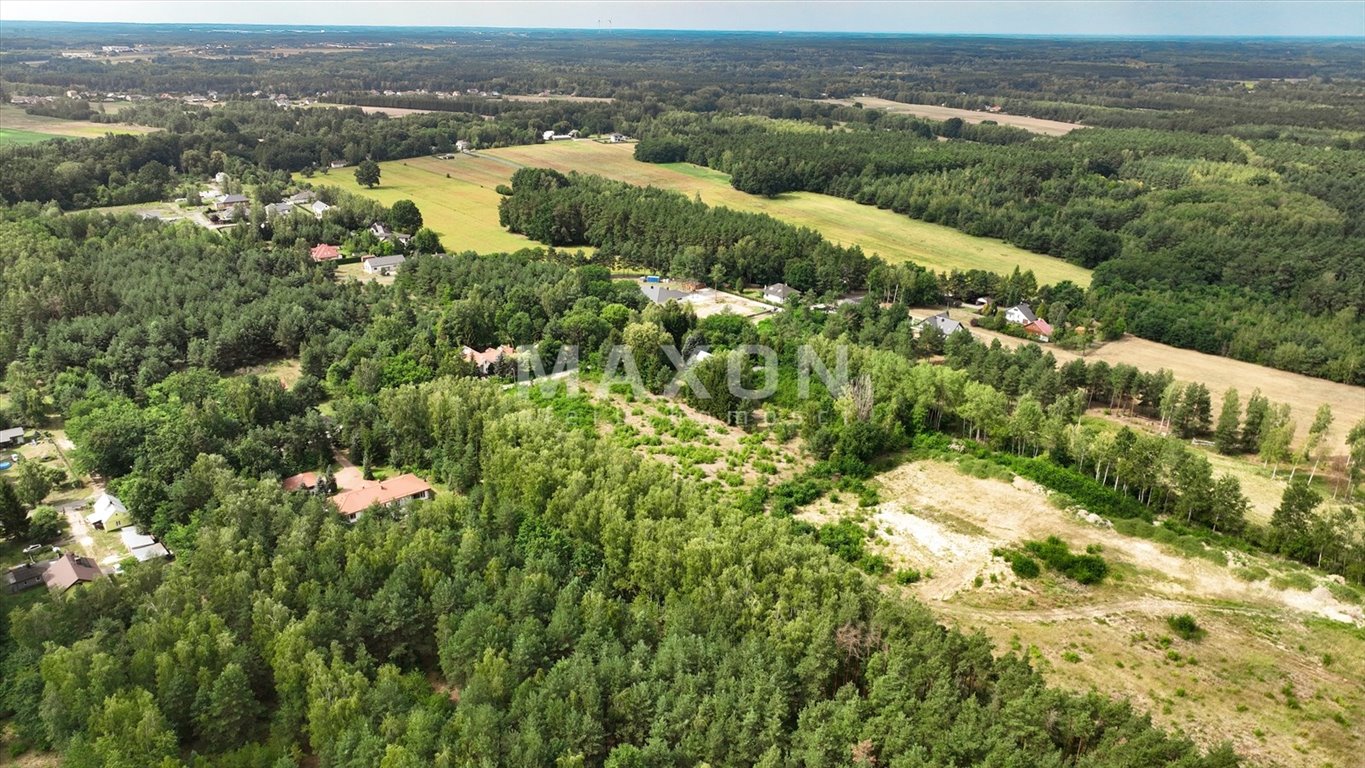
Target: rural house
69	570
109	514
945	325
303	481
1020	314
778	293
228	202
396	491
278	209
142	546
25	576
324	252
660	294
486	361
11	436
383	265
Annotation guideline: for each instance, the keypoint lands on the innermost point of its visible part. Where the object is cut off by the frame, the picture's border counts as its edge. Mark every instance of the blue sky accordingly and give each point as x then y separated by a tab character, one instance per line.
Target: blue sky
1073	17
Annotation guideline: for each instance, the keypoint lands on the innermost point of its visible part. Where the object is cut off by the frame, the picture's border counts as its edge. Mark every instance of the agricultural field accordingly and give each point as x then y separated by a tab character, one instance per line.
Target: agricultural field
1273	668
464	212
19	127
888	234
933	112
13	136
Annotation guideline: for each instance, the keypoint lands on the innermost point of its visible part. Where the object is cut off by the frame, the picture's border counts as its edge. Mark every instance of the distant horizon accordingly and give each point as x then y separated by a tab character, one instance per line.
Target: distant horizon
299	27
1124	19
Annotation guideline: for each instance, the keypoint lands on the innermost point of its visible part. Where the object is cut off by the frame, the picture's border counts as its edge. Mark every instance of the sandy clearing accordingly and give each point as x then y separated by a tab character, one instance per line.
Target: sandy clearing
1004	514
933	112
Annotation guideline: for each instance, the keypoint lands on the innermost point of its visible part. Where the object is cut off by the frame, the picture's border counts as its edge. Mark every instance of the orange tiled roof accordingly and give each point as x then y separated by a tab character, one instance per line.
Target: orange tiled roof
379	492
300	481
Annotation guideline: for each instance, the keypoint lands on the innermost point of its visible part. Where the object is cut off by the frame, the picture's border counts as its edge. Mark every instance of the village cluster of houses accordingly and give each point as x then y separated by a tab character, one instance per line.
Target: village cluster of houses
659	292
227	207
1020	315
306	200
356	494
70	569
373	265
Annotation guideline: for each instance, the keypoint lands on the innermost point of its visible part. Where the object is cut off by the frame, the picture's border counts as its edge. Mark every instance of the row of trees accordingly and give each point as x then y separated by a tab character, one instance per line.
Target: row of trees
666	231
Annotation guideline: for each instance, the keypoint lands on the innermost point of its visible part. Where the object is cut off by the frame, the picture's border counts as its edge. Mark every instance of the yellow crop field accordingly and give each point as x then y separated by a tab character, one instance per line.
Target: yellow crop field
472	179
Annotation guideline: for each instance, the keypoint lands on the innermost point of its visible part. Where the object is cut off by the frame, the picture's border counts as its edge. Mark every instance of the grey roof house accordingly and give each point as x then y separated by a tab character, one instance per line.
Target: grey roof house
659	294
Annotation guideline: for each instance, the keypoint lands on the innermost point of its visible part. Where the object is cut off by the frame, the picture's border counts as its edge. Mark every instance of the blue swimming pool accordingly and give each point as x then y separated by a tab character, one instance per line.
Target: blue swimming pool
6	464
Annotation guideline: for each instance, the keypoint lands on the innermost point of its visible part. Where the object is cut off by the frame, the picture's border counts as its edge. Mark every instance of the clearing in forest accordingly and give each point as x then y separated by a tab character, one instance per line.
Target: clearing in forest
1276	671
891	235
933	112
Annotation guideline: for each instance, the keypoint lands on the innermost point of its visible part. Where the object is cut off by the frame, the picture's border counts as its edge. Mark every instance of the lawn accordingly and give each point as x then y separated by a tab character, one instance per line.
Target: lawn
460	195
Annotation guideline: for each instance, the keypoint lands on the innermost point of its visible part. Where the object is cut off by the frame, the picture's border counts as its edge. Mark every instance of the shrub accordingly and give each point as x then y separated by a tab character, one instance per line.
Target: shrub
1186	627
908	576
1085	569
1024	566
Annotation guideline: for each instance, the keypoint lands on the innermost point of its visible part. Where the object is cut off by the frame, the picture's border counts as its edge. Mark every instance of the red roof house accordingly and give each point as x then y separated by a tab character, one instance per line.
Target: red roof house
303	481
1040	328
325	252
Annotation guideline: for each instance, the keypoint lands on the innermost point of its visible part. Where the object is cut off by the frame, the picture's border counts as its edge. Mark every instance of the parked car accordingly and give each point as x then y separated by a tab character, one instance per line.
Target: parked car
30	549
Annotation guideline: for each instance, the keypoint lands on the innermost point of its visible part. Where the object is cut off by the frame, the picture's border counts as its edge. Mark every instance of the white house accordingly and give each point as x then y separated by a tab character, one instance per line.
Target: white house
1020	314
778	293
109	514
383	265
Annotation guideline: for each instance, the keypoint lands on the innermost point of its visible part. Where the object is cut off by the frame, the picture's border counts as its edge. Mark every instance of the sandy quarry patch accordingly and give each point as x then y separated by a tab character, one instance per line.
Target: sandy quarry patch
938	519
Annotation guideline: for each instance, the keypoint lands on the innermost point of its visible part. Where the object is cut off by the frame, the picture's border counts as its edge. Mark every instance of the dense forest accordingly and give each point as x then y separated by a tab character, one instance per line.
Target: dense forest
582	606
565	599
585	604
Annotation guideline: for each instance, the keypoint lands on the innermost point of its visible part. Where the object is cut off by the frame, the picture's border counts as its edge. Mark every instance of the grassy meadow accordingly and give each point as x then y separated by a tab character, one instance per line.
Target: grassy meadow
19	127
